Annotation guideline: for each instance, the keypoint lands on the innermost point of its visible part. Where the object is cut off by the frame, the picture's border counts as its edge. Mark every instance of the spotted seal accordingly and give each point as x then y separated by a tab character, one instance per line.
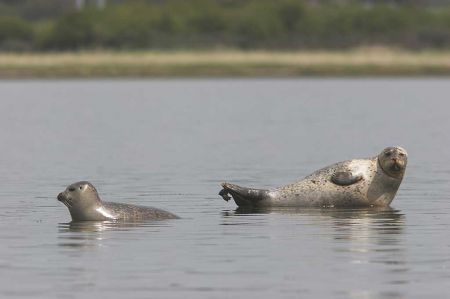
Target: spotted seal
354	183
85	205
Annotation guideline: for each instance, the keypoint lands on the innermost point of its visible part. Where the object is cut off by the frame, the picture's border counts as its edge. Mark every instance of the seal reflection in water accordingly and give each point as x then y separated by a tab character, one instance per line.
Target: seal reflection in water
85	205
353	183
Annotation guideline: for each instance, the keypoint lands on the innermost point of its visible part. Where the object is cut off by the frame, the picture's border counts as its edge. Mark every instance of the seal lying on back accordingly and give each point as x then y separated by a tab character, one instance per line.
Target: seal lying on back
353	183
85	205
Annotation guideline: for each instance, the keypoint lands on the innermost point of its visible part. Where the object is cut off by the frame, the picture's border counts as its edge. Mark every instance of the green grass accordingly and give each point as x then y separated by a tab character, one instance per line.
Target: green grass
368	62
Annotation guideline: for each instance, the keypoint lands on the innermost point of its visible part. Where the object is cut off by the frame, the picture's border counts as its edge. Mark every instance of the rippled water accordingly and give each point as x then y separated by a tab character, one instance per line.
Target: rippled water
169	143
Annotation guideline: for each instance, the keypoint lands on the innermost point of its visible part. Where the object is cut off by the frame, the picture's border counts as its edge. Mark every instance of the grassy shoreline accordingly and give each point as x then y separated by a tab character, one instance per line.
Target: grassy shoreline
359	62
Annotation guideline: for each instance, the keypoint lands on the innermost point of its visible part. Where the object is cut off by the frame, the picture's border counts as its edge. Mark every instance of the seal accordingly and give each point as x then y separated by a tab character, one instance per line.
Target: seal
354	183
84	204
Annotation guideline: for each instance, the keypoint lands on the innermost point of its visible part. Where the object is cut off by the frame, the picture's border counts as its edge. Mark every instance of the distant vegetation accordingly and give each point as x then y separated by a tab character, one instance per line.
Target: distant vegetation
246	24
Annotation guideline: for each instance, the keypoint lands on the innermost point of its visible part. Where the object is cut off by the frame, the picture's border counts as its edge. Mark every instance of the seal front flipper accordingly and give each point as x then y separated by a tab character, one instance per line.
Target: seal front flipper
345	178
243	196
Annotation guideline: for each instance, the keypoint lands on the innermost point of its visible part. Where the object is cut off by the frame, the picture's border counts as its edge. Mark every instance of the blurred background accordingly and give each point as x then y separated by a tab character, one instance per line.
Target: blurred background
114	38
49	25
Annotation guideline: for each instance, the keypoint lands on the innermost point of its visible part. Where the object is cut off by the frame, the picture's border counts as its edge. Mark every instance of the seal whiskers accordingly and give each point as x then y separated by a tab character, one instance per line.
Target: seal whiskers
67	204
66	201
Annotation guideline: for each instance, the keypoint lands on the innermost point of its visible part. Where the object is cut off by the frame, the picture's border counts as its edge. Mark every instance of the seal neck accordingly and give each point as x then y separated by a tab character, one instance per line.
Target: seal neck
87	210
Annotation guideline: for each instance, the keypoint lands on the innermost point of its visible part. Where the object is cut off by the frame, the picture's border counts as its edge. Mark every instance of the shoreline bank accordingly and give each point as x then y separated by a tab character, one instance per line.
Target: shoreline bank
361	62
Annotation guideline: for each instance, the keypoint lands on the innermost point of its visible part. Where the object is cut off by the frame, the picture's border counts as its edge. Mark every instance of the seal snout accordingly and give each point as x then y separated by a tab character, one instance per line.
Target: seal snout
397	164
61	197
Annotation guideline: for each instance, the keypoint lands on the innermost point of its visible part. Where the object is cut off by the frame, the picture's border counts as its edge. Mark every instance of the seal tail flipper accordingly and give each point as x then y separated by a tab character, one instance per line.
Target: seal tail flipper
242	196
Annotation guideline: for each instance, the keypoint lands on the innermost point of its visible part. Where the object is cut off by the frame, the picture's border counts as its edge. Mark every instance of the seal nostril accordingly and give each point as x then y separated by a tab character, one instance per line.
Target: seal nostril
60	196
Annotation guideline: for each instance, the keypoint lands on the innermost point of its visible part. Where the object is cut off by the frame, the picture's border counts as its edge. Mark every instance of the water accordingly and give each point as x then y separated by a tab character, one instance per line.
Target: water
169	143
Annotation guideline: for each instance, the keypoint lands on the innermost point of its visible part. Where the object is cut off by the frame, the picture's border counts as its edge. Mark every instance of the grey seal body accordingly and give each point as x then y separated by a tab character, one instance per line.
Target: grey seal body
84	204
353	183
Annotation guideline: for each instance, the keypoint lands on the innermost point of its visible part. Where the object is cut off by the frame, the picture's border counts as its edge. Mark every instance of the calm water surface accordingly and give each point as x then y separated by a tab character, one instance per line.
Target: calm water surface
169	143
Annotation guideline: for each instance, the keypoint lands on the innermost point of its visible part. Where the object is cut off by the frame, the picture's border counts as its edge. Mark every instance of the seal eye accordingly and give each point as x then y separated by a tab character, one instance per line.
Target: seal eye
81	187
401	154
71	189
388	154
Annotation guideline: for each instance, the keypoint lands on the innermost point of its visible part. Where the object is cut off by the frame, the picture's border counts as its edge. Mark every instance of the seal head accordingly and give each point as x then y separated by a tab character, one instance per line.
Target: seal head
82	200
392	161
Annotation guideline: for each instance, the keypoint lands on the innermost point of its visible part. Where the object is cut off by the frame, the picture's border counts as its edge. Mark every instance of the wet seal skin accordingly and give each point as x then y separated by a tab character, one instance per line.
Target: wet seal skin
84	204
354	183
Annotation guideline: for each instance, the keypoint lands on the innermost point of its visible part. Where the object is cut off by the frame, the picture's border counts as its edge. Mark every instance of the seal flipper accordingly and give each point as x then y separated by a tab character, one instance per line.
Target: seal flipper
241	195
345	178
